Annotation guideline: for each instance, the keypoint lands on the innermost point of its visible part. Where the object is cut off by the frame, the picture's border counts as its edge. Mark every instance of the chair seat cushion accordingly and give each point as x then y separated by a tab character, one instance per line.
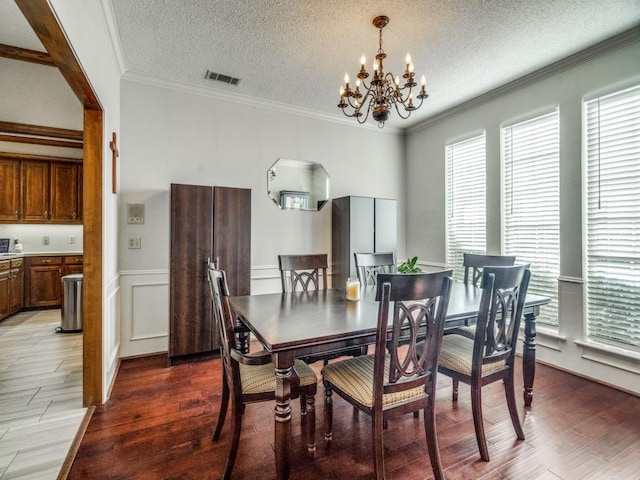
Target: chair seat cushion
354	377
456	353
262	379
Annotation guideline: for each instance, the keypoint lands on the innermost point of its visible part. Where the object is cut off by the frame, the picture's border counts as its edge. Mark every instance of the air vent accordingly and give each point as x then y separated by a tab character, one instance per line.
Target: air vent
221	77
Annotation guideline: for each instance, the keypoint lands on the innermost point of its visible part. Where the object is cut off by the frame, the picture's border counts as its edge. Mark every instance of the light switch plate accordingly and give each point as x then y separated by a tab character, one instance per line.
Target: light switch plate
135	242
135	213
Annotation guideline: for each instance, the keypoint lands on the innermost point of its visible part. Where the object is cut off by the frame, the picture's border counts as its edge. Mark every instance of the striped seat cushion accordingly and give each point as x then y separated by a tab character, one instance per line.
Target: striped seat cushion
355	378
262	379
456	354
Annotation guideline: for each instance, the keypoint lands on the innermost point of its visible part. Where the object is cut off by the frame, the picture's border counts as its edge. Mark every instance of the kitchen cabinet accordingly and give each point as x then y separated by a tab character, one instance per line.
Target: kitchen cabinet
44	282
5	296
360	225
40	191
207	223
11	287
9	190
72	264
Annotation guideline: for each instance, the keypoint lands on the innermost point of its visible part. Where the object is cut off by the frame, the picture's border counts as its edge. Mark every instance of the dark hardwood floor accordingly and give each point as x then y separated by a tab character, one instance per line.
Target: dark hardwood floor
158	425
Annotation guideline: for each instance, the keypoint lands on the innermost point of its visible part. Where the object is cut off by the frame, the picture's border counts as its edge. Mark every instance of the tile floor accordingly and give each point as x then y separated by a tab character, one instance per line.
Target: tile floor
40	395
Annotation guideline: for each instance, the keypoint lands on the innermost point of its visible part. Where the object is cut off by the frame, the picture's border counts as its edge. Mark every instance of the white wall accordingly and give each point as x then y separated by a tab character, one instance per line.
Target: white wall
87	28
426	180
173	135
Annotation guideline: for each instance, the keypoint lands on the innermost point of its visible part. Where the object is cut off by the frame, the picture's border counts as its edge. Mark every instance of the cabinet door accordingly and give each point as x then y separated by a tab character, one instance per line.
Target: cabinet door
17	289
9	190
191	324
4	292
64	192
385	225
232	236
35	191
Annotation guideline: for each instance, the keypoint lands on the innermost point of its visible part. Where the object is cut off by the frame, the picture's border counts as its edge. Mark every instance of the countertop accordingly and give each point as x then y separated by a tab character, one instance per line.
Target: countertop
9	256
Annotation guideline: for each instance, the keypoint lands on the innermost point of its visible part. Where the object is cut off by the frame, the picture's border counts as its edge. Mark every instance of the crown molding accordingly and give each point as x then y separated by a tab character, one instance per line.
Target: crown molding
611	44
241	99
109	19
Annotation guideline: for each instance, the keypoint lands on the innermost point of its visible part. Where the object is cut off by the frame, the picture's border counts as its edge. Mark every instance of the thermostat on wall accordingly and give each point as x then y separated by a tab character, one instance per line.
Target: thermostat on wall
135	213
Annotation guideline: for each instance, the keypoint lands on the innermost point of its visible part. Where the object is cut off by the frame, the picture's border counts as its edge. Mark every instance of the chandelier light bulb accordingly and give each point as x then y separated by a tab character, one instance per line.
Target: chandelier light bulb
411	67
358	83
363	59
341	91
423	81
407	59
346	79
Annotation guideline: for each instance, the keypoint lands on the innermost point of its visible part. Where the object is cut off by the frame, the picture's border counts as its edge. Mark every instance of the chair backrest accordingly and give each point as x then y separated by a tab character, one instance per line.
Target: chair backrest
474	263
222	314
419	305
369	265
504	290
303	272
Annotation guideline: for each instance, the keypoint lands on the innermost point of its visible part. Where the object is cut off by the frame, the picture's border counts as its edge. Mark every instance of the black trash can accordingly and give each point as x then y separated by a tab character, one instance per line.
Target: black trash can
71	321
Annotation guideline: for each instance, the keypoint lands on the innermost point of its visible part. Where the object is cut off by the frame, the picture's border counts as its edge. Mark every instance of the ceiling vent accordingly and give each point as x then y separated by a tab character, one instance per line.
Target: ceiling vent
221	77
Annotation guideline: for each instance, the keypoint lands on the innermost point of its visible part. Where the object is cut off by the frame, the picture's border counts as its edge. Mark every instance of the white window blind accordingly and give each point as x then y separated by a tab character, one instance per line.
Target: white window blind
613	218
532	204
466	201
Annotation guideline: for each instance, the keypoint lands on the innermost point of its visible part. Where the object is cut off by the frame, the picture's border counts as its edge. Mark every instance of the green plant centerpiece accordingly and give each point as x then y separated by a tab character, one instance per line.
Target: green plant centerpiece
409	266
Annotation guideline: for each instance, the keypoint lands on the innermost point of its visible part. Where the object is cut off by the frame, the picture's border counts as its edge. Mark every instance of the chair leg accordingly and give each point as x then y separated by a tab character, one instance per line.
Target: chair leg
476	407
311	423
328	413
429	415
378	445
455	390
224	403
236	421
511	403
303	406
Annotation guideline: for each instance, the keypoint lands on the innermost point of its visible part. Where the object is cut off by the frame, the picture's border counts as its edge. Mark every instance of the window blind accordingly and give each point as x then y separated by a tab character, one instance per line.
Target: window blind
612	188
466	201
532	204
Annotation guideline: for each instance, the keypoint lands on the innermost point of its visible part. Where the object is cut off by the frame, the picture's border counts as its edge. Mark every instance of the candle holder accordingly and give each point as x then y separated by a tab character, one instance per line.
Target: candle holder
353	289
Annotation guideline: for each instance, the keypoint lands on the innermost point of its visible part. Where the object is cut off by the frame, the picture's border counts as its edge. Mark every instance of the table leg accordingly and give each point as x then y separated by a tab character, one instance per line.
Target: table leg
284	365
529	356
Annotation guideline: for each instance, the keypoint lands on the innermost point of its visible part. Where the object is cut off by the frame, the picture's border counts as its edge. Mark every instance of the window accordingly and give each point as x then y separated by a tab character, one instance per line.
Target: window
532	204
466	201
612	191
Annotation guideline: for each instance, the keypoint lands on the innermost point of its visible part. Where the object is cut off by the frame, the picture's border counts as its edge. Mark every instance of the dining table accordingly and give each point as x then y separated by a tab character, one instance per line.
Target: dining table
298	324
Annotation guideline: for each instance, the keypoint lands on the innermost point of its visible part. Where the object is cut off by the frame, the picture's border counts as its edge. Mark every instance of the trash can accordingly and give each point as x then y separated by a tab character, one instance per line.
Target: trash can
71	304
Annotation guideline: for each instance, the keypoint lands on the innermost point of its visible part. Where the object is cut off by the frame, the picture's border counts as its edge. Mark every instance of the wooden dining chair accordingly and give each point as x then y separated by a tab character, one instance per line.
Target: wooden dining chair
387	385
490	355
303	272
369	265
473	264
250	378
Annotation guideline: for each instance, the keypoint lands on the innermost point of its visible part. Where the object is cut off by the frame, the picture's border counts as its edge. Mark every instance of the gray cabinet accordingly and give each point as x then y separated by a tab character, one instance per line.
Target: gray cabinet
360	225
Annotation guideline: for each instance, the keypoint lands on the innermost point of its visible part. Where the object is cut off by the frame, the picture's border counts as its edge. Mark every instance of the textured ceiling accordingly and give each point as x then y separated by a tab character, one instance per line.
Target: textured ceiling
296	52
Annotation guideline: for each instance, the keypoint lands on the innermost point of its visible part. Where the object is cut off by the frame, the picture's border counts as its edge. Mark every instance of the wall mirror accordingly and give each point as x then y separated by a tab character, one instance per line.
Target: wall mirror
298	184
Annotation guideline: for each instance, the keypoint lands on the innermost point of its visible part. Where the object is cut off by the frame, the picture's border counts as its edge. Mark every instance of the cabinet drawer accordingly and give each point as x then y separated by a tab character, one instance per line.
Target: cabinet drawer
73	260
45	261
16	262
5	266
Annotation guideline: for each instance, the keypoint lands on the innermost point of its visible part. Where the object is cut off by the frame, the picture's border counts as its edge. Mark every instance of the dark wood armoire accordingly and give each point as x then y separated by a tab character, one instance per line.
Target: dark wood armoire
207	223
360	225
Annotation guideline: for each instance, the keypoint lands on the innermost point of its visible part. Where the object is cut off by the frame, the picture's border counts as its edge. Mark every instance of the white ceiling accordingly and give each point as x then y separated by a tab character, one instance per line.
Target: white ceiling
296	52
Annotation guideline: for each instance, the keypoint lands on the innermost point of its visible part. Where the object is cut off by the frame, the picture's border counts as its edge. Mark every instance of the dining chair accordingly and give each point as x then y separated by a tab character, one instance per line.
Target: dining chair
473	264
385	385
490	355
250	378
303	272
369	265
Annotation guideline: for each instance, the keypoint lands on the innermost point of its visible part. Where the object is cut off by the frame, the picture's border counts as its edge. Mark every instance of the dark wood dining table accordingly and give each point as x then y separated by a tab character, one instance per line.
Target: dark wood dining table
298	324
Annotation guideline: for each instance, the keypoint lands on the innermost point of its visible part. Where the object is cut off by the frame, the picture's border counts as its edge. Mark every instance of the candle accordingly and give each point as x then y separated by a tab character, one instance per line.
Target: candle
353	289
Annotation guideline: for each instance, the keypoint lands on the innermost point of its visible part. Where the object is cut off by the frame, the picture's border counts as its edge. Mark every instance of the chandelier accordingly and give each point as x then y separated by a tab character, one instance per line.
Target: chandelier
383	92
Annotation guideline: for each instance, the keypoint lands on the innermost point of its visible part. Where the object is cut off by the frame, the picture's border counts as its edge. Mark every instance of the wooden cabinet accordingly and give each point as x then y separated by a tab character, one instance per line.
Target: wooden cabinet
44	284
11	286
40	191
206	223
16	285
65	192
9	190
360	225
72	264
5	296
